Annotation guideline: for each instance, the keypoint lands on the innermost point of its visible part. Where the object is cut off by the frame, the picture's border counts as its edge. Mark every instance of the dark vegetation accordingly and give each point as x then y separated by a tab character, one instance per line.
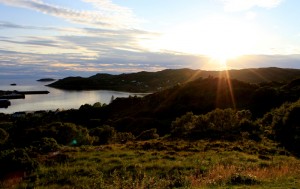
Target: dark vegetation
209	132
46	79
157	81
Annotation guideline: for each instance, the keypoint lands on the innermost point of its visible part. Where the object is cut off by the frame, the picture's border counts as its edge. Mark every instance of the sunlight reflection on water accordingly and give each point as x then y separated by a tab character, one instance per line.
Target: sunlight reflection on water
56	99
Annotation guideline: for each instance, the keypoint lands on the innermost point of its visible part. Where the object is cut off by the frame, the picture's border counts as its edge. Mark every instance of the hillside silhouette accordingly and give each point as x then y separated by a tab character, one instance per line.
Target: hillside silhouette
158	81
198	96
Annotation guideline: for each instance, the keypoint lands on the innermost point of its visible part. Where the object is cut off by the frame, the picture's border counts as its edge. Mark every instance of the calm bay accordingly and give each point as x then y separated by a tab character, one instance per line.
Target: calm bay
57	98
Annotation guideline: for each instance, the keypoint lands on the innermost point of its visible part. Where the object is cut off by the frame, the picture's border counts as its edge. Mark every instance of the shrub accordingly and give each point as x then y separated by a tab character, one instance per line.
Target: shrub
244	114
221	120
225	123
201	124
178	180
67	133
6	125
3	136
182	125
104	134
97	105
123	137
238	179
16	160
148	134
46	145
154	146
252	128
286	125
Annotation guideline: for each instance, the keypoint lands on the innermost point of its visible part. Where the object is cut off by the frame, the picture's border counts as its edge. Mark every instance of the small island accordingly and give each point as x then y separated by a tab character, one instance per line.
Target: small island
46	79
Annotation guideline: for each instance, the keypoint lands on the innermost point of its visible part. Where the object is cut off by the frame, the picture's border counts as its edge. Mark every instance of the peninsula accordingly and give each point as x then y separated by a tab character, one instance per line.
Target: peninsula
158	81
46	80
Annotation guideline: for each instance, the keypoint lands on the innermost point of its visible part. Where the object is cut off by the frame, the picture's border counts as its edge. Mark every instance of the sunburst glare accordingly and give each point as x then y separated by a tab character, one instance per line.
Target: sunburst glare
218	38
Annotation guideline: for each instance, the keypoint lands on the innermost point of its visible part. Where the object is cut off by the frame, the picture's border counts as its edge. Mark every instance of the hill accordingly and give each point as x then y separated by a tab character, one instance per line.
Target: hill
199	96
183	137
157	81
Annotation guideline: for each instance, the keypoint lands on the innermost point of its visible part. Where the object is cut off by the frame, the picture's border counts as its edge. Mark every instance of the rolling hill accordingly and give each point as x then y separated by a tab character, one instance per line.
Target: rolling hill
158	81
199	96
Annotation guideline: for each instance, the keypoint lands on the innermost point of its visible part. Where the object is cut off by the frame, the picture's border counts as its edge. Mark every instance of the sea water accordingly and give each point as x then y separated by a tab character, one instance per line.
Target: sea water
57	98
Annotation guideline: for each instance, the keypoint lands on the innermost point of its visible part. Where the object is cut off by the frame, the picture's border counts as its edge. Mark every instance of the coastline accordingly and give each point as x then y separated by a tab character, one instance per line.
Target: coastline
57	98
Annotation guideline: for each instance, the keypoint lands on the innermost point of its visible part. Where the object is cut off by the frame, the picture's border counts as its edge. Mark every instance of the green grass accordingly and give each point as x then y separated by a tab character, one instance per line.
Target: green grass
168	164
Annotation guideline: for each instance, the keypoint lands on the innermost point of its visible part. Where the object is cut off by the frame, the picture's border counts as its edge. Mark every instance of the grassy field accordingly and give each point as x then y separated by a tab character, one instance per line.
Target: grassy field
166	164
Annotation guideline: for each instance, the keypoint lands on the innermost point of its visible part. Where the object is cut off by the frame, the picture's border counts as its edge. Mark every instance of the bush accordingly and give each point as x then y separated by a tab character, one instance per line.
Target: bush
104	134
16	160
3	136
221	120
225	123
238	179
148	135
252	128
123	137
6	125
46	145
182	125
67	134
286	125
178	180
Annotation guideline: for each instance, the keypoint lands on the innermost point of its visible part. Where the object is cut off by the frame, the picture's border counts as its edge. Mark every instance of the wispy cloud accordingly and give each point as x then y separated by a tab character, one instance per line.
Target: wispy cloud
106	15
92	42
243	5
9	25
62	65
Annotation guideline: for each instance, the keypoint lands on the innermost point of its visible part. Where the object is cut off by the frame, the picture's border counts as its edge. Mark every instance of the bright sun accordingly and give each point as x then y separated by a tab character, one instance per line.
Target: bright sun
218	38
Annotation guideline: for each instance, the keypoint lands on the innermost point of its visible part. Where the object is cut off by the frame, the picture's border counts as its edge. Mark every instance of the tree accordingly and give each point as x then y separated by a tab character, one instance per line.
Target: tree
97	105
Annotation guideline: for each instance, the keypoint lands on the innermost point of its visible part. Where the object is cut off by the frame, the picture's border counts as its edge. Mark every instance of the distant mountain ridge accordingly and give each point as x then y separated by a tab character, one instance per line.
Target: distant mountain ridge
156	81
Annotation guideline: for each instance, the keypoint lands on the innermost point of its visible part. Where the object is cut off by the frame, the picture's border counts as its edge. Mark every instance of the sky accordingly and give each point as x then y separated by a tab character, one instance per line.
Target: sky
58	38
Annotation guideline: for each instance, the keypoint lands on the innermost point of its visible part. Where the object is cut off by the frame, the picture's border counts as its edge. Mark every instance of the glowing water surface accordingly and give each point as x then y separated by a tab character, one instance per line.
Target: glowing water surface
56	99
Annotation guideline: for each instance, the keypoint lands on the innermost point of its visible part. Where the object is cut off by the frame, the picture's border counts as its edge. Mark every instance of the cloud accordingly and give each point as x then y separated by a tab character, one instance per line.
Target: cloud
87	41
63	65
83	31
5	25
9	25
107	6
29	64
35	42
243	5
107	14
36	65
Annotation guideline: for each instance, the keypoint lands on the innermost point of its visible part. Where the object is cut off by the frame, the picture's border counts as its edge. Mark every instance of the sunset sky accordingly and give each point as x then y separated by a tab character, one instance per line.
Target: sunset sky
58	38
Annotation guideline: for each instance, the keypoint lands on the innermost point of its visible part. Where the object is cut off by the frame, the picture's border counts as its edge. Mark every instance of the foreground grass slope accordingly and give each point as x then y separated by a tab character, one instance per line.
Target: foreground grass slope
168	164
